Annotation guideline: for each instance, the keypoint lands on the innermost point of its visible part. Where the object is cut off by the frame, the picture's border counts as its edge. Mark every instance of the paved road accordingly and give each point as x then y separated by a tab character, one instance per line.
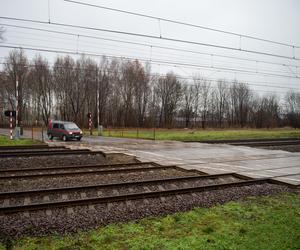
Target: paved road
209	158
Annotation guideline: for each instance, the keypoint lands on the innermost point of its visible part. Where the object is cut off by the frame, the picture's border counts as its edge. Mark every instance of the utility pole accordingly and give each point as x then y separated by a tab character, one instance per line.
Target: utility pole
98	103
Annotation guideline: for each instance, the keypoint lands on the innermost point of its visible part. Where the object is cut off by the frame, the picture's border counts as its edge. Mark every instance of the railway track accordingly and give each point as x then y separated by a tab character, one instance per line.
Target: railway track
258	142
20	174
38	146
62	196
118	196
250	140
52	152
84	195
267	143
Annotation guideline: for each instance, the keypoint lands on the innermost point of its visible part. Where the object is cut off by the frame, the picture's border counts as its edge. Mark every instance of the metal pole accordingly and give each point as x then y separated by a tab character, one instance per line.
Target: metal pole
17	100
98	104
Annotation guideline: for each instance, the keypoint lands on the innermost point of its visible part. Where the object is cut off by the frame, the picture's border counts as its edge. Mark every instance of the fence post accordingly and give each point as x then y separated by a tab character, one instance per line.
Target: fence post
154	134
32	132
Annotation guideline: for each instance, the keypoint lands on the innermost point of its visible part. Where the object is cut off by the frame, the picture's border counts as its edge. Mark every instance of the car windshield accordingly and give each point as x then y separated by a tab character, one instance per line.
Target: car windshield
71	126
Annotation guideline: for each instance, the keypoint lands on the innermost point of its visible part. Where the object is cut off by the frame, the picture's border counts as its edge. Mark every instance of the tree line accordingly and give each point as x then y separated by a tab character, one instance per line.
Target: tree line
130	95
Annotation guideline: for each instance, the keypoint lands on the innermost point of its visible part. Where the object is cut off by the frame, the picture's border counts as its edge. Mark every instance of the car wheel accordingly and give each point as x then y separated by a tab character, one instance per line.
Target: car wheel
78	139
64	138
50	136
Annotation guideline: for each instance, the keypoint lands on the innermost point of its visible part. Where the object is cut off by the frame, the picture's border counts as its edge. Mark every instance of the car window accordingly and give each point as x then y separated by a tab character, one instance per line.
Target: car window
61	126
71	126
55	125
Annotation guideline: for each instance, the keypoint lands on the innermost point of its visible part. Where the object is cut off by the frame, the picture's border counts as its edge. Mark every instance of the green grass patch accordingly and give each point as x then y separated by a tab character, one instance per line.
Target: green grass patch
6	141
201	135
256	223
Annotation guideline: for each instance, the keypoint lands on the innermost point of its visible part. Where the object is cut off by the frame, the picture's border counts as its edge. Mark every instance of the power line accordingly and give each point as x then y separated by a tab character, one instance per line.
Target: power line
160	54
183	23
55	50
149	45
150	36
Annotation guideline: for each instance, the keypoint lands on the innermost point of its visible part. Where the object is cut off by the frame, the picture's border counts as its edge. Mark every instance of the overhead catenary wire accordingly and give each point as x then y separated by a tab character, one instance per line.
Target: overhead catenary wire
173	56
97	55
150	36
56	50
150	45
183	23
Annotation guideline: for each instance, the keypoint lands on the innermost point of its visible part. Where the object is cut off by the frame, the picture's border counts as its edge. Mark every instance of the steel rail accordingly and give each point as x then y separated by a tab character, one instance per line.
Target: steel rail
52	152
37	150
246	140
266	143
77	167
29	147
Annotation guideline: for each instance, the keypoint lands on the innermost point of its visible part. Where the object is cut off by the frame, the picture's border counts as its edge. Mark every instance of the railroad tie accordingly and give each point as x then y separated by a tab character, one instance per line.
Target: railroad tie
161	188
46	198
83	195
100	193
186	184
146	201
6	203
174	186
64	196
115	192
27	201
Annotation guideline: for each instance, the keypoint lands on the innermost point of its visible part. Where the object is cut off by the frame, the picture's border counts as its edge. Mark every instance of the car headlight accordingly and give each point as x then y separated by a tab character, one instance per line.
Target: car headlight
80	132
70	133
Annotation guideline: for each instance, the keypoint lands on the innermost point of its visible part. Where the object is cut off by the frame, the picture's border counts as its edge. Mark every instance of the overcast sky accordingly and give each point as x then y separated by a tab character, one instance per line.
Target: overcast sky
269	19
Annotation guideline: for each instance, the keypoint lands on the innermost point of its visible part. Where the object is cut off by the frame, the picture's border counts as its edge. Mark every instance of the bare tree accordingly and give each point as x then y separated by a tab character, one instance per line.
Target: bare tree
221	94
16	68
41	84
168	90
240	95
292	106
202	98
189	96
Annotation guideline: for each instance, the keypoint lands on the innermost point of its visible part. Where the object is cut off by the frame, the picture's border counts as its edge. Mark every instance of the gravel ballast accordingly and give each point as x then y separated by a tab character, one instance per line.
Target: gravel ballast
63	160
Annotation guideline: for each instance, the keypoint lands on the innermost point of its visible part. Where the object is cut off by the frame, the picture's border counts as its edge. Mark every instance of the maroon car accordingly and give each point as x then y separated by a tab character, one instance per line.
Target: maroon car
64	130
